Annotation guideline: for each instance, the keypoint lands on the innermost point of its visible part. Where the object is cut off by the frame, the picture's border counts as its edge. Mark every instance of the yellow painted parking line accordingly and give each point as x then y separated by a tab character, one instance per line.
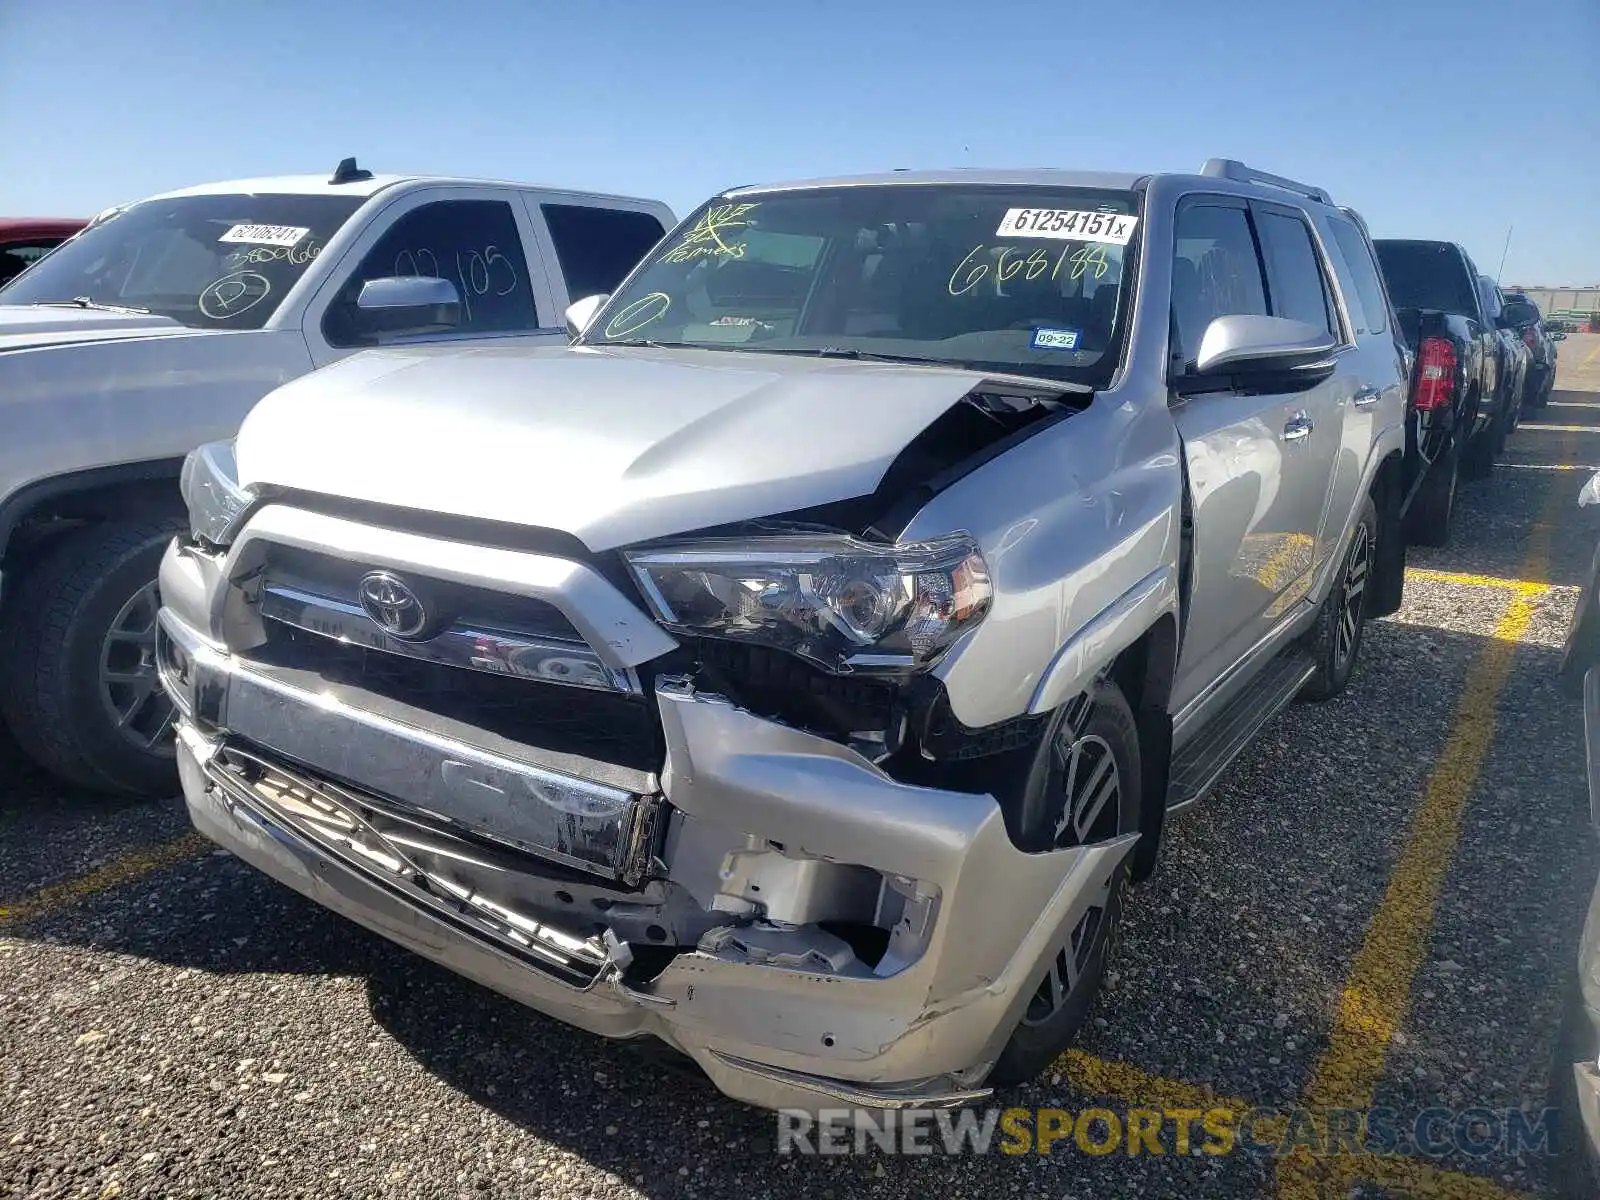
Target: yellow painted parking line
1521	586
1123	1082
1540	427
1518	466
118	873
1377	994
1412	1177
1592	355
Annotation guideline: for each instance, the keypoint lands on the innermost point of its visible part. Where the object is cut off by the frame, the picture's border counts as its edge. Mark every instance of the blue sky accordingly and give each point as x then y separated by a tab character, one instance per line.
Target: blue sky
1434	118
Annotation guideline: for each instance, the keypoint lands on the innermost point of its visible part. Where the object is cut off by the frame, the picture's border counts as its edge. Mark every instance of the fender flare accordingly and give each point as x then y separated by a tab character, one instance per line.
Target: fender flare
15	507
1098	642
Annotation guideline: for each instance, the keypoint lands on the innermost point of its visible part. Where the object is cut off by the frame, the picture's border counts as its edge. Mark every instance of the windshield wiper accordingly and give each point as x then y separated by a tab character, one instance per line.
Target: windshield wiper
96	305
858	355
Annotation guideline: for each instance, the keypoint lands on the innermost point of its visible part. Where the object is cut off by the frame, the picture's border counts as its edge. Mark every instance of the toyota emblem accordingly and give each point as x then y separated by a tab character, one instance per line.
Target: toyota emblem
391	604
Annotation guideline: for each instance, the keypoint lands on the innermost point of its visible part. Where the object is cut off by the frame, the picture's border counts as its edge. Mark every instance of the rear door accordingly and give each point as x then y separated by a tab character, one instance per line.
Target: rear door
595	242
1299	286
1258	464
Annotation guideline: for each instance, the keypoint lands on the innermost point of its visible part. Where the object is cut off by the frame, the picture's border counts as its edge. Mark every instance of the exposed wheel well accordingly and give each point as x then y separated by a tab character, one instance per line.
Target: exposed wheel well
1389	568
1144	672
33	516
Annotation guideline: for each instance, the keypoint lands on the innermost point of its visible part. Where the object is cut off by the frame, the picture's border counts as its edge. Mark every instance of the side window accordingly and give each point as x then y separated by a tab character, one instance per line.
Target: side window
18	255
1294	274
597	247
1369	290
472	243
1215	273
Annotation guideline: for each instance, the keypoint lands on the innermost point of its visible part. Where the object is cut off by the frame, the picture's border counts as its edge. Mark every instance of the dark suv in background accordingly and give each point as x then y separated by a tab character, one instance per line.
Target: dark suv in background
1523	318
1464	382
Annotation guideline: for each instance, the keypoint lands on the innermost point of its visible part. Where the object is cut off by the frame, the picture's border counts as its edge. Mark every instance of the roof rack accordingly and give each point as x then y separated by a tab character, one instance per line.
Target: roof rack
1232	168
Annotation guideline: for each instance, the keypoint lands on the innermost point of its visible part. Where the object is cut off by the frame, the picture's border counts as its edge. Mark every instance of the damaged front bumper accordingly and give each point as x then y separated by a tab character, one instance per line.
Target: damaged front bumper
729	866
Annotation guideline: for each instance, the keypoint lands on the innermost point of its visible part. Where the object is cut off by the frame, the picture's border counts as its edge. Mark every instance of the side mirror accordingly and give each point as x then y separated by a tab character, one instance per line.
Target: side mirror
1289	350
407	304
581	312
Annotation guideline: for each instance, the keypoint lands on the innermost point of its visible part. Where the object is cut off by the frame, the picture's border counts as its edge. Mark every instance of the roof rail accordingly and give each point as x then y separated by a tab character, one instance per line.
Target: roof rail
1232	168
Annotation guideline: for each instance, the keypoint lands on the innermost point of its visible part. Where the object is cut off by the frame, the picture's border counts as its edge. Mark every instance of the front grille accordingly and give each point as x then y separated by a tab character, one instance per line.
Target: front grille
612	727
450	603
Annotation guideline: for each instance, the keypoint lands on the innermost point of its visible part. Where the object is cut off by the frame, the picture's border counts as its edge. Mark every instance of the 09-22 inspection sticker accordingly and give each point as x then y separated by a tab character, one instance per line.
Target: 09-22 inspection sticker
1068	225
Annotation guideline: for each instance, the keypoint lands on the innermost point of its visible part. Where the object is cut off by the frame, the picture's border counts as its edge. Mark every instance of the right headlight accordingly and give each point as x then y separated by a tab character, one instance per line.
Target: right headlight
217	504
842	603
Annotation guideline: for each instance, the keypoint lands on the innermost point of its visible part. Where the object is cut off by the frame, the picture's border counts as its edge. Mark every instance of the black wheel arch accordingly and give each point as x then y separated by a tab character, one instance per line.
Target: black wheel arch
1389	566
1144	672
29	515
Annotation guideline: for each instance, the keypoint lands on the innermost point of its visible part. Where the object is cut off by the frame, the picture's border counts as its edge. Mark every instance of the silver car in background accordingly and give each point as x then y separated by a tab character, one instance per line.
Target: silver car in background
800	666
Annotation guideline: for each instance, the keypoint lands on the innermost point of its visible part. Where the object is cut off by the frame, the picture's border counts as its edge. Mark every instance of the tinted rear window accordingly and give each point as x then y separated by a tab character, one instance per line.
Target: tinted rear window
599	246
1427	275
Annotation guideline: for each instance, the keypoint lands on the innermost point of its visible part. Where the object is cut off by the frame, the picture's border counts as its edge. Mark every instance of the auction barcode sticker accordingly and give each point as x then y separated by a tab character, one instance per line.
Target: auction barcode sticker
265	235
1067	225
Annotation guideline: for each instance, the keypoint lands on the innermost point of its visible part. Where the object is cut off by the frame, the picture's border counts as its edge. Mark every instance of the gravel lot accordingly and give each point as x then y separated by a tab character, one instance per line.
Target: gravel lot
174	1024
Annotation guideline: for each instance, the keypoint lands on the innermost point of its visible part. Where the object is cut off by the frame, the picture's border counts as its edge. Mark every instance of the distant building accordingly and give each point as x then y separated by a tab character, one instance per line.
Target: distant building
1565	303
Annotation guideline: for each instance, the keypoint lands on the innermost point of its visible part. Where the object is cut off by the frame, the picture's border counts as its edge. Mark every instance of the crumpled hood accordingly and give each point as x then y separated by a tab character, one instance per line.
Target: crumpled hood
614	446
24	327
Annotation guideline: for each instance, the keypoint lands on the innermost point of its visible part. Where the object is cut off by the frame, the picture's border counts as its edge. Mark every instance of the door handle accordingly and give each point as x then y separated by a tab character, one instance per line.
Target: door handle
1298	428
1366	396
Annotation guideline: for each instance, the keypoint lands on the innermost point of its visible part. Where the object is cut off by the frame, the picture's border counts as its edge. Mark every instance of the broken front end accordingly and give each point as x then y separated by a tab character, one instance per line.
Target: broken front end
697	791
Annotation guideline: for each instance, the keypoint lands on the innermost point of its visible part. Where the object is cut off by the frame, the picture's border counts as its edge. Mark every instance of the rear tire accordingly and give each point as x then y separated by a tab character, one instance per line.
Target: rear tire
1428	521
1539	385
1477	459
77	670
1093	731
1335	640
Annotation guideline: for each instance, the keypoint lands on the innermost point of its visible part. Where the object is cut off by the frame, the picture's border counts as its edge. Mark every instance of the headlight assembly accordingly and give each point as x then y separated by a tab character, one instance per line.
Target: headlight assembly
845	604
210	485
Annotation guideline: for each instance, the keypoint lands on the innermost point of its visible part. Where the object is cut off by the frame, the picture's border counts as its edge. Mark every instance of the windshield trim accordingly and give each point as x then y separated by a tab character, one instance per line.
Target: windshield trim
1096	376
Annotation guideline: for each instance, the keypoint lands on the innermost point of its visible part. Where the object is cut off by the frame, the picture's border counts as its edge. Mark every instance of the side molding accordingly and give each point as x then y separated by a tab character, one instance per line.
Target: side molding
1087	652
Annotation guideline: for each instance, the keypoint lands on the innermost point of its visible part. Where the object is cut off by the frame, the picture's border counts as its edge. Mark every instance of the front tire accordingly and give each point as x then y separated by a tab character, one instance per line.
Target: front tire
1335	640
78	684
1091	786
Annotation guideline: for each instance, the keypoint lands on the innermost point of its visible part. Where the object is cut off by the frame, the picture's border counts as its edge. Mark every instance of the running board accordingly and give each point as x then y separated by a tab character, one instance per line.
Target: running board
1197	767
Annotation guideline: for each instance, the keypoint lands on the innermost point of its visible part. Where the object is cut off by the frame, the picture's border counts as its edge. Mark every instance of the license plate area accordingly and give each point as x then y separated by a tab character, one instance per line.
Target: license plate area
593	826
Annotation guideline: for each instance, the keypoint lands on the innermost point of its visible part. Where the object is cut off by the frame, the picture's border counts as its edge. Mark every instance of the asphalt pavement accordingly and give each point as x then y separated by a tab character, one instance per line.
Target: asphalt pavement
1379	905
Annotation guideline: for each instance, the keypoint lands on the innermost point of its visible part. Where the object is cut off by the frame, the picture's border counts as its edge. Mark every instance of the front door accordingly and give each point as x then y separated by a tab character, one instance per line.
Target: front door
1259	465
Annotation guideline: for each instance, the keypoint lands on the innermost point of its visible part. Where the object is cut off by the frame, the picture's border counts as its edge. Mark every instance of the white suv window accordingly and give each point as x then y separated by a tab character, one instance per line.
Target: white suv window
471	243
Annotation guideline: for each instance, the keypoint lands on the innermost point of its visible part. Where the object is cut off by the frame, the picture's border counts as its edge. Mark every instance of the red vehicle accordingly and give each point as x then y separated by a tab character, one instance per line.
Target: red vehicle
26	239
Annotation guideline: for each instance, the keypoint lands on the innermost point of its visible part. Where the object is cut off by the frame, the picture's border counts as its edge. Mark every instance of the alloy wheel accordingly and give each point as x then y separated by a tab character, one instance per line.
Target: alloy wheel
130	687
1085	771
1352	595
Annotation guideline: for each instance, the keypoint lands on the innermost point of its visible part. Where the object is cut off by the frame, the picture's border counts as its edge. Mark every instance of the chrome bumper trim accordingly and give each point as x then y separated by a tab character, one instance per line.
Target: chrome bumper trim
492	651
340	832
590	824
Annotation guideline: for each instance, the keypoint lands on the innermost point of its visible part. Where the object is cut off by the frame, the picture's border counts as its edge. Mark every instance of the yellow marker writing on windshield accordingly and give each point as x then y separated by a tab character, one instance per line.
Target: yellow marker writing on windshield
705	239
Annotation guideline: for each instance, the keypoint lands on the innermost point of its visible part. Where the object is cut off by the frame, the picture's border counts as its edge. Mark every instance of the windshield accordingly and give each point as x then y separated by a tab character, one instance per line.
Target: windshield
1426	275
215	262
992	278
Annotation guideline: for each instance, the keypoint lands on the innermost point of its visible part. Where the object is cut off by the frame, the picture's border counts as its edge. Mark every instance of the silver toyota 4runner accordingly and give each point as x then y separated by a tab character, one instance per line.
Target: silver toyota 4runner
800	665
